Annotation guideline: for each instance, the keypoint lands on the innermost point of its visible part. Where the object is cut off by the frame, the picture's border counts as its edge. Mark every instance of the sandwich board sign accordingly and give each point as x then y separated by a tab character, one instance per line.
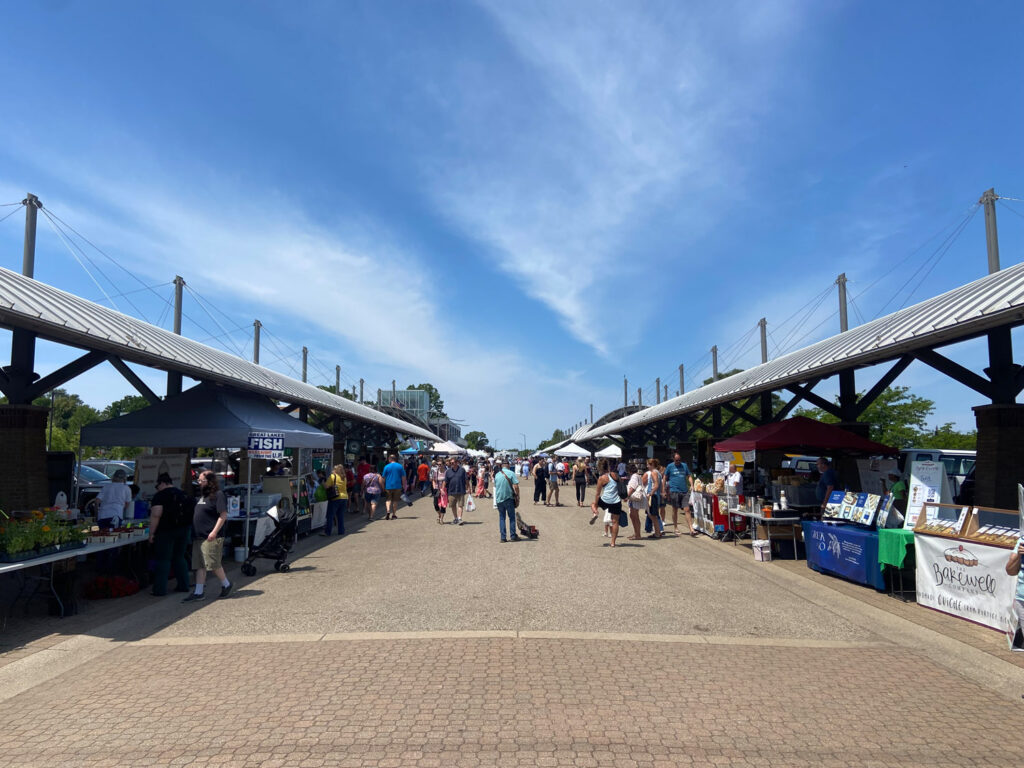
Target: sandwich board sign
928	485
266	445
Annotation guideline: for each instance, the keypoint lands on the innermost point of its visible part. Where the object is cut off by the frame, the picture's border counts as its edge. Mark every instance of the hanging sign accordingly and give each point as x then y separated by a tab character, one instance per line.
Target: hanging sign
965	579
266	445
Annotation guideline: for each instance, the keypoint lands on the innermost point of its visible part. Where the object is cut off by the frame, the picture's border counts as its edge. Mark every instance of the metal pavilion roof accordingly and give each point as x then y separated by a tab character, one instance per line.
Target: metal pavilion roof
994	300
63	317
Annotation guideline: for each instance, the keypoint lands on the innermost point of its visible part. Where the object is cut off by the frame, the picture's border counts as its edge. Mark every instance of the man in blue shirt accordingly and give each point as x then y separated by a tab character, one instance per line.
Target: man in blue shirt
394	486
506	491
828	482
455	482
678	477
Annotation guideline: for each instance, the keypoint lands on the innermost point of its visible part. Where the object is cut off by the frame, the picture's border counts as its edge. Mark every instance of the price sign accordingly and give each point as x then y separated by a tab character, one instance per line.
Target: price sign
266	445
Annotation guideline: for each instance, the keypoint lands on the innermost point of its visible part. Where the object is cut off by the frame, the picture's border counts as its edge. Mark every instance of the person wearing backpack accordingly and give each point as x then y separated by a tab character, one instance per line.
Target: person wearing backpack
170	520
337	499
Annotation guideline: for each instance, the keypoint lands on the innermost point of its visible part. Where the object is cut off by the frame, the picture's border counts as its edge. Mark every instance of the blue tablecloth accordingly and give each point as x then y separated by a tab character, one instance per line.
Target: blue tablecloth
844	550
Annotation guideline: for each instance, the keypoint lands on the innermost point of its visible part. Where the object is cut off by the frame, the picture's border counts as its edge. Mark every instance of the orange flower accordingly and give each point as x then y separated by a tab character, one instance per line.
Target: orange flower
46	528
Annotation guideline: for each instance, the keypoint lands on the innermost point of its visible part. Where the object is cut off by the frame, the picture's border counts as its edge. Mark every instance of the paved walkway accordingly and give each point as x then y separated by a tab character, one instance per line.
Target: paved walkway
407	643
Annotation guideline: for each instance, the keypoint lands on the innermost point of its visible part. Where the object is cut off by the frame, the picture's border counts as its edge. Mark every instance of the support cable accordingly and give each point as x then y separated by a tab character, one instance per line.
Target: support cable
74	255
50	213
202	305
11	213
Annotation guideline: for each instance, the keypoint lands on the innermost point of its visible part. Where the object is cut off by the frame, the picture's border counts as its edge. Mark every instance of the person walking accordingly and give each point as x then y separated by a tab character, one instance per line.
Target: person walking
455	484
606	495
679	479
553	485
395	484
637	499
337	500
208	520
579	477
170	521
423	475
540	482
506	494
373	489
362	468
654	526
481	482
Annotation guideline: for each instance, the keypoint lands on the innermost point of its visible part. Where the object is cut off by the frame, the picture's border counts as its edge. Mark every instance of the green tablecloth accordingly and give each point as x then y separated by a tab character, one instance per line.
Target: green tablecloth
892	545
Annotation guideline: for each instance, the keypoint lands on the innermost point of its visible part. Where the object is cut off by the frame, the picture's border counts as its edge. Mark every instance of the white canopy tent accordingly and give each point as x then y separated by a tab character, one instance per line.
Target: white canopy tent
447	447
611	452
572	451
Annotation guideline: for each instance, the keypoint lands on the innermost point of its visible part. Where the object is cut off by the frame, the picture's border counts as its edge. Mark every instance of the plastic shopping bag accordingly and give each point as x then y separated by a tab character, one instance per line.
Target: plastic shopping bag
470	504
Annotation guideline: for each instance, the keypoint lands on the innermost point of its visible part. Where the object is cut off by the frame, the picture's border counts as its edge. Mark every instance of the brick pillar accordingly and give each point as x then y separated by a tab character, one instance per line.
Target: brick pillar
23	482
1000	455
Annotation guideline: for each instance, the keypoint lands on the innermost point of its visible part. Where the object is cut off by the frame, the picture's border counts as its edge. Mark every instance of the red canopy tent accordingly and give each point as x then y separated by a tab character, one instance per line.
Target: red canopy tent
802	434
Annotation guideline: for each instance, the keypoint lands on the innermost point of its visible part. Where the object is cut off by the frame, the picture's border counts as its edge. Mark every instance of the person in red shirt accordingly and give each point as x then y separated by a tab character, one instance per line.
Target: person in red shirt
363	468
423	476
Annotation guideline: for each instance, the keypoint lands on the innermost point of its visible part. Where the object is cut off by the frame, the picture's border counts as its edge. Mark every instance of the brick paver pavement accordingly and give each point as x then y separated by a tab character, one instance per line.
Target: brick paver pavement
410	644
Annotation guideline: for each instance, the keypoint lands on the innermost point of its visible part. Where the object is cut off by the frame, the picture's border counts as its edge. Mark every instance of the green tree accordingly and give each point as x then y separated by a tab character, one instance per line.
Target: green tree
897	418
945	436
127	404
436	403
477	441
556	437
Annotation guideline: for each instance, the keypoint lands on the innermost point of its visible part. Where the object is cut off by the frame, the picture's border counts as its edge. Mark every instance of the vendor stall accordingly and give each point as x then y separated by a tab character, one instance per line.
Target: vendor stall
210	415
961	555
845	550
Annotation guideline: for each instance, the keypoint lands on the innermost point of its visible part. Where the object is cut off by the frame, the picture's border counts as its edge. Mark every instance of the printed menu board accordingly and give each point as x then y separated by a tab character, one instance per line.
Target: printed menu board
927	482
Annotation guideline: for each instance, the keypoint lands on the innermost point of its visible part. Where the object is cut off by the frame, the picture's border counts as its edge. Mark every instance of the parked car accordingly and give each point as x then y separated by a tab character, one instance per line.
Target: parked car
801	465
958	464
109	466
223	469
88	482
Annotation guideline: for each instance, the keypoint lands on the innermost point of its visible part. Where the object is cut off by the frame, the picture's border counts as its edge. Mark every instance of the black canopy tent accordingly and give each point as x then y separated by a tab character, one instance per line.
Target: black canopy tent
205	415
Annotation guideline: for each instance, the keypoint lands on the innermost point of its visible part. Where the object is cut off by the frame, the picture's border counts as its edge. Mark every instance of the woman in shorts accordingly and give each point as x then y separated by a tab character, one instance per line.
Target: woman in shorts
373	486
606	495
637	499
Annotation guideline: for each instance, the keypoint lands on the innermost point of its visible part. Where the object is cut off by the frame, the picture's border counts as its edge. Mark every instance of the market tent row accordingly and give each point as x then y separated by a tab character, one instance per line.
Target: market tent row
803	434
108	335
611	452
208	416
992	302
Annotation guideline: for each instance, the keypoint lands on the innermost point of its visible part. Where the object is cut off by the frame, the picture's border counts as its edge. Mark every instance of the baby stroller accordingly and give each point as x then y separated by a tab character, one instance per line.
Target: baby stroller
529	531
278	544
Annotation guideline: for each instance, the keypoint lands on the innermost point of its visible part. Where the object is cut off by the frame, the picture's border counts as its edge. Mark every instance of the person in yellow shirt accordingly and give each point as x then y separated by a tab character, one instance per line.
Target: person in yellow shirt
337	500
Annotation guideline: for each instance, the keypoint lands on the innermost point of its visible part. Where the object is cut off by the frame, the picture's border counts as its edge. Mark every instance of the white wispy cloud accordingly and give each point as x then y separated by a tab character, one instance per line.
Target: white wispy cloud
636	102
348	290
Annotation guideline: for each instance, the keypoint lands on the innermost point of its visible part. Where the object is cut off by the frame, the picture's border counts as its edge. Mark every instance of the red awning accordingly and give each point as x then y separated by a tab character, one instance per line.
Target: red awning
802	434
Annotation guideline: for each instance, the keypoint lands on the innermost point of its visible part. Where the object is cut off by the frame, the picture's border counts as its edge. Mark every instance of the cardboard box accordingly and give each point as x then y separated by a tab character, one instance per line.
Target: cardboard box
762	550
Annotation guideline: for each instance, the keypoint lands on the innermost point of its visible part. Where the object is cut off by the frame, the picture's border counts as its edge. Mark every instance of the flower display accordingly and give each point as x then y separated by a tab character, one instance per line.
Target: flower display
40	531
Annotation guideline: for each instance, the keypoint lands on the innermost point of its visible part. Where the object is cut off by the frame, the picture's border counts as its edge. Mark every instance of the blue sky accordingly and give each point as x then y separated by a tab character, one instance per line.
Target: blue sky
520	202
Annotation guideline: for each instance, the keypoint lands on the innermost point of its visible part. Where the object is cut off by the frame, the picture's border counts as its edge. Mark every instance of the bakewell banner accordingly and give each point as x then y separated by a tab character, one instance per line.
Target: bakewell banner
965	579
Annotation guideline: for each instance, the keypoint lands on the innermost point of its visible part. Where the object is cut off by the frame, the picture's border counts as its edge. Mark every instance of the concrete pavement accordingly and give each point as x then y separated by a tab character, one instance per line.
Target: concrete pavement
410	643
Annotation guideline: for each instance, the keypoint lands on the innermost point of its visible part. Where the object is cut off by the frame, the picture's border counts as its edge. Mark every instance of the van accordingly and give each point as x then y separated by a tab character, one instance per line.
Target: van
958	463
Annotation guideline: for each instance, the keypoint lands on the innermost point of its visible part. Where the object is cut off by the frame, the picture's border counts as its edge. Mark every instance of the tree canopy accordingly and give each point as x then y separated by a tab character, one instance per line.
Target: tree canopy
900	419
476	441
